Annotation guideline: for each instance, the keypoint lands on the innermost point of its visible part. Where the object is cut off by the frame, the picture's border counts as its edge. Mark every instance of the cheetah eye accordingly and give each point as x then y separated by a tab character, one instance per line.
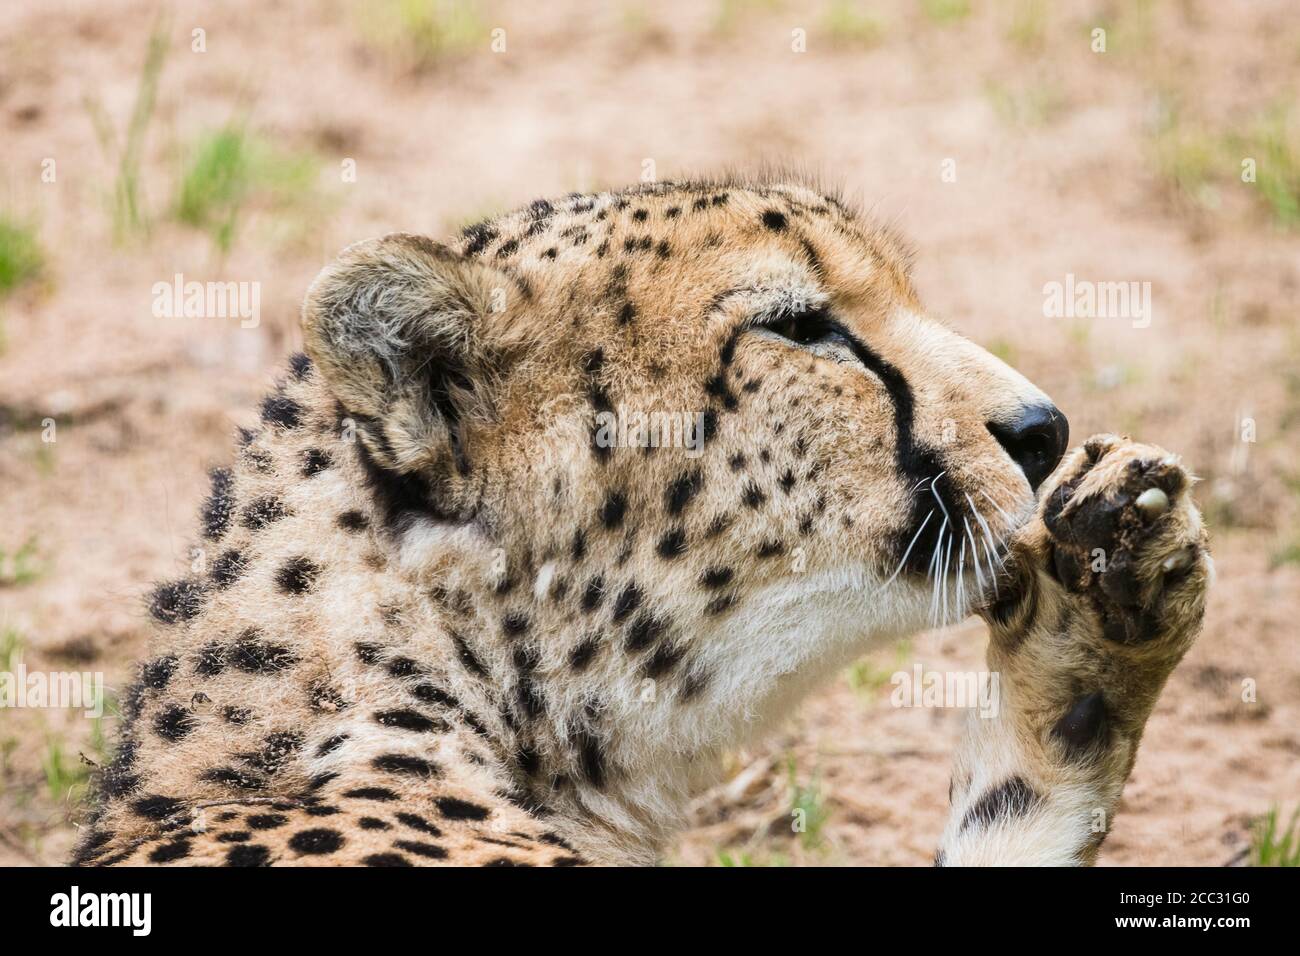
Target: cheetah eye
811	327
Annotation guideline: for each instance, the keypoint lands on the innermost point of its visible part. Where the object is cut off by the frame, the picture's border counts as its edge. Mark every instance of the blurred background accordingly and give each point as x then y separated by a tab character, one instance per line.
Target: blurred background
249	141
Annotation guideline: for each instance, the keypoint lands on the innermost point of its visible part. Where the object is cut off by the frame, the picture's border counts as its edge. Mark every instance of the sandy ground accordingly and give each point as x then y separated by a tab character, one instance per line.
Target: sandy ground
1057	154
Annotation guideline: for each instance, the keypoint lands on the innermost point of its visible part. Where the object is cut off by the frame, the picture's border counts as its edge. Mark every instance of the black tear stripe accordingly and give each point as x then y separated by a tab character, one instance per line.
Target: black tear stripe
1007	801
916	462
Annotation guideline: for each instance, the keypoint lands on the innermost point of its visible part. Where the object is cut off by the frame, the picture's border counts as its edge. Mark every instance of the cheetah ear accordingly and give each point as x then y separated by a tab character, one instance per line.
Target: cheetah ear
411	337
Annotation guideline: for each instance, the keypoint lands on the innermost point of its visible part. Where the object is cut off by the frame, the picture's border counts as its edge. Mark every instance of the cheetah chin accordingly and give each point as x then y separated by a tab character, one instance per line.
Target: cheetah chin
549	518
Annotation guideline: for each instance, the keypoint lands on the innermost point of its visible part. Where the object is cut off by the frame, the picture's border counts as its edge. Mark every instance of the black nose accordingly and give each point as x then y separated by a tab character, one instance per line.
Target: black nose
1035	440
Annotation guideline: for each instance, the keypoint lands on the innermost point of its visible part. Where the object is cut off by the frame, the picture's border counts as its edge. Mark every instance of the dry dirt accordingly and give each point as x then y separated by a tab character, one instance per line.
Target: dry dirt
1058	170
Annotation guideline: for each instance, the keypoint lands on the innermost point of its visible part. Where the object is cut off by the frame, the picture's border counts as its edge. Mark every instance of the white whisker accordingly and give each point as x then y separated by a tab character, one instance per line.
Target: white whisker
1011	522
909	549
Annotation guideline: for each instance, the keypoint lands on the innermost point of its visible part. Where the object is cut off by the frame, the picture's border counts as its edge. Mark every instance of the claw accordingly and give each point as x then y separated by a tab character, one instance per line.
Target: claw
1153	502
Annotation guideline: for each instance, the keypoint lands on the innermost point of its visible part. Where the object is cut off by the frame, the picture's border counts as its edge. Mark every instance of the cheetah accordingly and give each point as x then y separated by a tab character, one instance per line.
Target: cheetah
446	614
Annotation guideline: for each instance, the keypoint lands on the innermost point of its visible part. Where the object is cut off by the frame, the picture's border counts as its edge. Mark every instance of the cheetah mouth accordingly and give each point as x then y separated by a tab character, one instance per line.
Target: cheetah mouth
956	540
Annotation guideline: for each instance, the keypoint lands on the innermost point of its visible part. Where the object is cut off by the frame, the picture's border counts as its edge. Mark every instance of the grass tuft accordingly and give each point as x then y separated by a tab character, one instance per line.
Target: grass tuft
847	25
20	255
946	11
229	168
1274	845
129	216
424	33
21	567
1028	27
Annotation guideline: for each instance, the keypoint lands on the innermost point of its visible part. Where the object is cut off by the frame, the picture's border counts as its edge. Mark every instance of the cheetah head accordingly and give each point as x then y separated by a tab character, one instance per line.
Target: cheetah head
681	449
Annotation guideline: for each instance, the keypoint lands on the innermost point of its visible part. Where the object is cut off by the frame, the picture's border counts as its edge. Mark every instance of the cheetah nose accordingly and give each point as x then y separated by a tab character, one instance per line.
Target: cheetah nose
1035	440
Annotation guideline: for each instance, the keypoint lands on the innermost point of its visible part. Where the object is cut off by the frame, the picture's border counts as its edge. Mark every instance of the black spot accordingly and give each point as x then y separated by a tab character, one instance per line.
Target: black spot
177	601
514	624
381	794
611	514
627	313
419	848
235	836
326	698
479	236
434	695
787	481
640	215
736	461
156	808
467	656
300	364
717	387
281	410
672	212
644	631
1083	726
174	723
231	777
277	749
663	250
505	861
385	859
693	685
267	821
753	496
368	653
371	823
314	461
769	549
774	220
262	511
406	764
297	576
411	720
579	548
673	544
554	839
220	504
353	521
316	842
403	667
720	604
331	745
177	849
255	656
507	248
119	778
227	568
158	672
581	655
248	855
454	808
237	715
322	811
416	822
681	491
664	659
593	593
716	577
628	601
1012	799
